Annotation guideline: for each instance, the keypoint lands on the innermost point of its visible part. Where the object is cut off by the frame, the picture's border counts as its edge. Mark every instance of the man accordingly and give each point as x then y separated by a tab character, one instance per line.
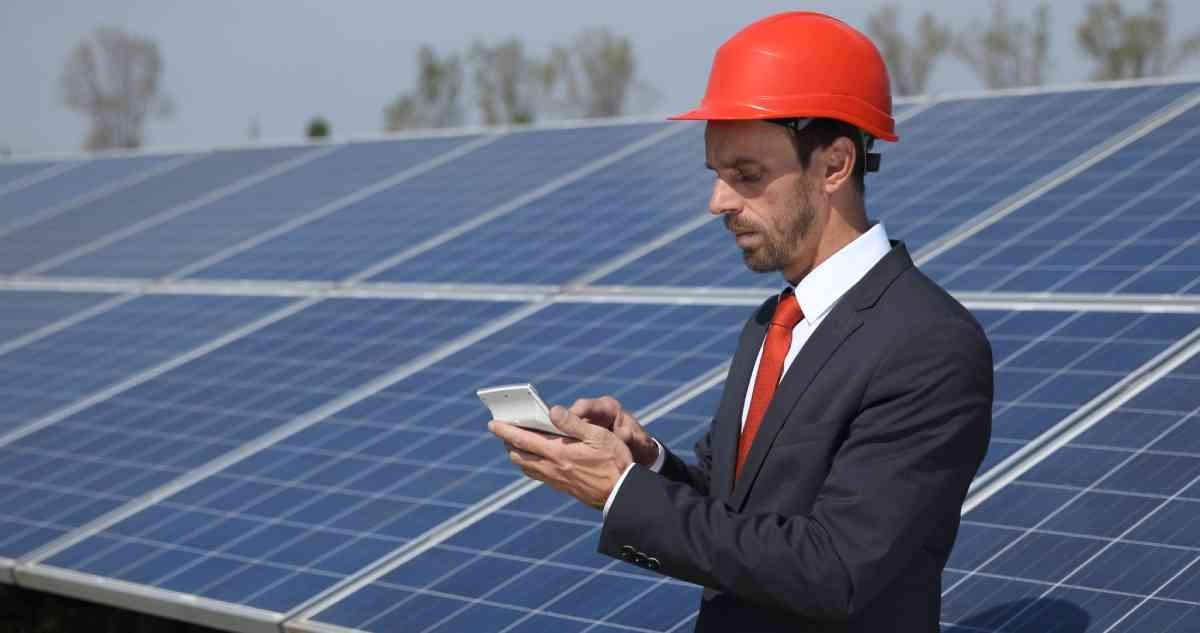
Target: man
858	404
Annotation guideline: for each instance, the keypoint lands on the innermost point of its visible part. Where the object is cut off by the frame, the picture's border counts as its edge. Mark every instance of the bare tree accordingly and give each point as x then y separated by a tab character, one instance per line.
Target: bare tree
909	62
436	100
1126	46
1006	52
113	79
596	72
510	86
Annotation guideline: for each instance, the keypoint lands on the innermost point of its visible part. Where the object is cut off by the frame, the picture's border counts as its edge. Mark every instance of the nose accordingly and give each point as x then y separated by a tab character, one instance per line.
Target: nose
724	199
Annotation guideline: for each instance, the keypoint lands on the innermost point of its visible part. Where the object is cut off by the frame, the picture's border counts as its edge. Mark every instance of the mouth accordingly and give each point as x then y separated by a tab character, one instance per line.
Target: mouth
745	238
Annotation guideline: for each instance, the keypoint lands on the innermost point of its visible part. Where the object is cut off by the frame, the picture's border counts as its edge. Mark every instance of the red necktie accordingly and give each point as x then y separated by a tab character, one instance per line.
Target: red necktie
770	370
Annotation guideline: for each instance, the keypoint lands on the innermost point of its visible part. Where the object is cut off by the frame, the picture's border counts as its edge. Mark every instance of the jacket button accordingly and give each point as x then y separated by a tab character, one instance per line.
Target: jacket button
653	564
639	559
627	552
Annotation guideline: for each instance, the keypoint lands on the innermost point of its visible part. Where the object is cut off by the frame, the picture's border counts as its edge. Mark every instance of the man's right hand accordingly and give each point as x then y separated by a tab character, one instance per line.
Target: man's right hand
607	412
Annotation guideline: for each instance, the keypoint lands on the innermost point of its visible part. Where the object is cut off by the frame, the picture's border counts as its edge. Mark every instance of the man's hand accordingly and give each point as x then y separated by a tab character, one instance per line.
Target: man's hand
586	465
607	412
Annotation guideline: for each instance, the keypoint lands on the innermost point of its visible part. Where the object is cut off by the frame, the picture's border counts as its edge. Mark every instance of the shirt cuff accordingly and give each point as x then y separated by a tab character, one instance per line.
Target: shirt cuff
661	459
613	495
655	467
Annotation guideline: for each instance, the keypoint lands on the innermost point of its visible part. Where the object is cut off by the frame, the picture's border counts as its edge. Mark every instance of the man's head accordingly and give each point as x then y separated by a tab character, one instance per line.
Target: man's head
790	196
805	201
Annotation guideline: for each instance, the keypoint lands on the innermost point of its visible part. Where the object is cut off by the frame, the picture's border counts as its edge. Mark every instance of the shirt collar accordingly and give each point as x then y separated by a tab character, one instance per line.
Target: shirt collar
824	285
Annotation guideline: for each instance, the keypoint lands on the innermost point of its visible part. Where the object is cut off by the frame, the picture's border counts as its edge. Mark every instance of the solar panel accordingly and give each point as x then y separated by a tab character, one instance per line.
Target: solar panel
23	249
371	230
225	222
15	175
277	528
529	566
73	471
564	234
955	160
43	375
1049	364
1105	531
1128	224
72	187
270	450
24	312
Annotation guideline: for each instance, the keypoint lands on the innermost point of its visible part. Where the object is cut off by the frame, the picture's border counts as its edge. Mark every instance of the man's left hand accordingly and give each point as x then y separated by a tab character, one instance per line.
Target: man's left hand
585	465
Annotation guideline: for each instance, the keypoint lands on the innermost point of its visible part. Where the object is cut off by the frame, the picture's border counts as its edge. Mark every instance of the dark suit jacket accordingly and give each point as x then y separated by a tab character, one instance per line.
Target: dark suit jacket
849	501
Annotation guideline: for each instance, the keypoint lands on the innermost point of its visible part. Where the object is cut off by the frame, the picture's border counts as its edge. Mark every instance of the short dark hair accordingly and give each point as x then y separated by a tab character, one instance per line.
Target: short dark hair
821	133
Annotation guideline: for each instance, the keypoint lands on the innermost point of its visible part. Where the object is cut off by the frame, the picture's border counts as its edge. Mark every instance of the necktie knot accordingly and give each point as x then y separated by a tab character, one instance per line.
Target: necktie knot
787	311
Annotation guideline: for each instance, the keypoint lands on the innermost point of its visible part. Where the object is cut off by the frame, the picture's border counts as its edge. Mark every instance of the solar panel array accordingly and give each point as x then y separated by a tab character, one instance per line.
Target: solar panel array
241	381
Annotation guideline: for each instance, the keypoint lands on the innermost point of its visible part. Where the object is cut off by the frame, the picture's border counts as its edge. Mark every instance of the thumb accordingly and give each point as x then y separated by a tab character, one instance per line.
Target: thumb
571	424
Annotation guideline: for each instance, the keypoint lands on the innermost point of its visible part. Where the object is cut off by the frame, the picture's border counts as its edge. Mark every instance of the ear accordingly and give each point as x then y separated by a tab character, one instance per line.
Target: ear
839	159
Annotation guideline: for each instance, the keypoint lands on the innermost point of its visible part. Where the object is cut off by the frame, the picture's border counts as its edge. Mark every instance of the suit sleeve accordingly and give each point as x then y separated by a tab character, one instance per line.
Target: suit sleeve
908	455
695	477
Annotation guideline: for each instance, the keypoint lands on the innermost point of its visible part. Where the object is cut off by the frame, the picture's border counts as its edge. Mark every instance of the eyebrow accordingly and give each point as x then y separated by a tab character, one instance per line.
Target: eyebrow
737	161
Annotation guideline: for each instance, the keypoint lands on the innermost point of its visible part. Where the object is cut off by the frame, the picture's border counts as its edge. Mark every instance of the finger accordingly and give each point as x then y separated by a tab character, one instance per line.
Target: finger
595	411
571	424
524	458
583	409
610	406
520	438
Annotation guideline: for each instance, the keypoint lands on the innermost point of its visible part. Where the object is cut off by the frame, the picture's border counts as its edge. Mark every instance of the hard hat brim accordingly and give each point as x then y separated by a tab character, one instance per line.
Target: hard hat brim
746	112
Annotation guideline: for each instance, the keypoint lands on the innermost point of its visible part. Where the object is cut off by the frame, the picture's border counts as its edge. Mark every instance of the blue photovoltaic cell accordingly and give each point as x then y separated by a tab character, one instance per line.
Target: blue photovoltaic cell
1048	364
227	221
403	216
1101	535
103	350
954	161
28	202
10	173
532	566
1129	224
560	236
24	312
545	543
36	243
279	527
59	478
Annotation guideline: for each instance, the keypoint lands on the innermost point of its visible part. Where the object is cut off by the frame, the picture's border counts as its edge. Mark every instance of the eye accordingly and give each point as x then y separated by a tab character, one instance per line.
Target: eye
749	177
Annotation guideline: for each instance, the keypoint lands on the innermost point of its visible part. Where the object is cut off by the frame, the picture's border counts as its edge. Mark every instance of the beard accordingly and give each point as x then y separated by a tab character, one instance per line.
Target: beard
780	239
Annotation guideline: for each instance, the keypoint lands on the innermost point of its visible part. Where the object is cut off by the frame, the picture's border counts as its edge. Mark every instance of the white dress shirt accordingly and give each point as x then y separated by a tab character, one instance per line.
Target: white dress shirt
817	293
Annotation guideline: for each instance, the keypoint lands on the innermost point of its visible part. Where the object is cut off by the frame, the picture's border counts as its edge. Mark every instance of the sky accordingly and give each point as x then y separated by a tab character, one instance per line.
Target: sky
228	62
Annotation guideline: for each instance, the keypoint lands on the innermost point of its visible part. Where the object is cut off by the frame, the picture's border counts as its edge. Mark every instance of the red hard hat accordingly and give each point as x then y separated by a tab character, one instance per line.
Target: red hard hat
800	64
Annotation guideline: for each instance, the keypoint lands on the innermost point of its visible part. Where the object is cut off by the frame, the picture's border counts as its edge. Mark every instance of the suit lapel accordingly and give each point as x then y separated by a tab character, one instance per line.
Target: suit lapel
841	323
727	424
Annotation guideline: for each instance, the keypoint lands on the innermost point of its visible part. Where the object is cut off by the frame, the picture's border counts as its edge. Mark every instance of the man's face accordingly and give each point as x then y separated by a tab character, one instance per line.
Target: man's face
766	197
